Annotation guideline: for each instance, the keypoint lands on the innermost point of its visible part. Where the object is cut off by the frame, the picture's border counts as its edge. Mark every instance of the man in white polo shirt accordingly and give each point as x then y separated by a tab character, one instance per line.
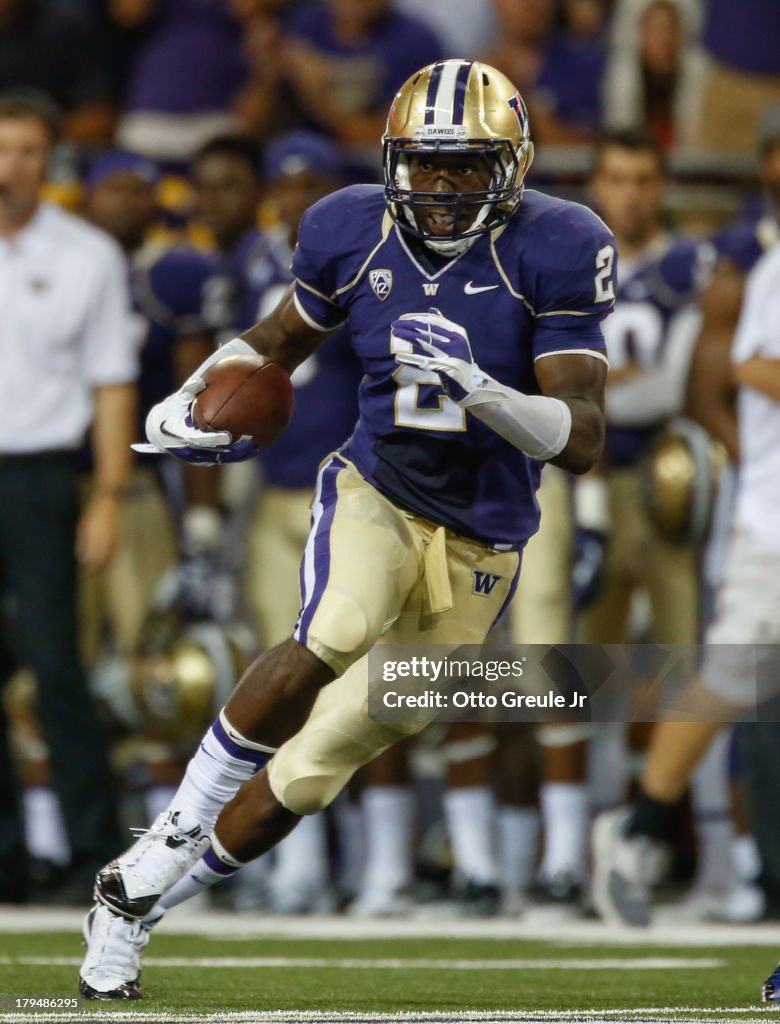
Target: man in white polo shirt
741	666
67	361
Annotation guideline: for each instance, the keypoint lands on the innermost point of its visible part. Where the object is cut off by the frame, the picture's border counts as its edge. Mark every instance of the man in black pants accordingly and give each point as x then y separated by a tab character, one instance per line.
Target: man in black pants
67	360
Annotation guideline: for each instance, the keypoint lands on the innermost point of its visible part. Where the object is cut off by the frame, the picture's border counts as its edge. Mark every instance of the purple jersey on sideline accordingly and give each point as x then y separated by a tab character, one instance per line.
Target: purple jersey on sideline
655	289
169	289
326	384
540	285
745	241
570	79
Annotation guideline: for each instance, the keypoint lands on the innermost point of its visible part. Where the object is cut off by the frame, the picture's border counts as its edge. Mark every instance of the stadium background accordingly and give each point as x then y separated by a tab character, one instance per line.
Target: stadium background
160	79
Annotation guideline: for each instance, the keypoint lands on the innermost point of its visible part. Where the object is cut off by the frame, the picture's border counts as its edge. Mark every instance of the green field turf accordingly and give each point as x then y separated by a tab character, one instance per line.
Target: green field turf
413	975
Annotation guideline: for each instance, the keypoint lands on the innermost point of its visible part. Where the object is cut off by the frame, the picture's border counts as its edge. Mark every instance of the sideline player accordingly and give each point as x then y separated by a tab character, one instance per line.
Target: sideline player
433	493
739	669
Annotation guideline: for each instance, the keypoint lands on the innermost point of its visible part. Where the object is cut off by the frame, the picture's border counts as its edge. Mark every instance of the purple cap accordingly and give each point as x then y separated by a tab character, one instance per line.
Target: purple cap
120	160
302	151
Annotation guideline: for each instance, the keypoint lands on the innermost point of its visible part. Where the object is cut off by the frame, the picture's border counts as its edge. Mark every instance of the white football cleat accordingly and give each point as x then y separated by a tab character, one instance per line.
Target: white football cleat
112	966
132	884
625	870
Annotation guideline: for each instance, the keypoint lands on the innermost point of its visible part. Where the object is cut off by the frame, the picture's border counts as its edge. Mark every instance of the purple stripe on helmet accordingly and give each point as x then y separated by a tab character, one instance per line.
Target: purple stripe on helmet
212	861
321	554
433	88
256	757
459	101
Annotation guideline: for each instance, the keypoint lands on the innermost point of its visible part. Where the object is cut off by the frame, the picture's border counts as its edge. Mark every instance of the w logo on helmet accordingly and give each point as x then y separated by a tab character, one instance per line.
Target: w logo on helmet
484	582
517	103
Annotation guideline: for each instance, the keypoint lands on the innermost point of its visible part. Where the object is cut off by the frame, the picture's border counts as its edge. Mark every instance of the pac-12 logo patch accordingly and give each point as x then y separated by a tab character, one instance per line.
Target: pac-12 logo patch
382	283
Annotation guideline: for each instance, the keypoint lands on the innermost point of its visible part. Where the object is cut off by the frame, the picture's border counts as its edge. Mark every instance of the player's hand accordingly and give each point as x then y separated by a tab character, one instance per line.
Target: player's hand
441	346
170	429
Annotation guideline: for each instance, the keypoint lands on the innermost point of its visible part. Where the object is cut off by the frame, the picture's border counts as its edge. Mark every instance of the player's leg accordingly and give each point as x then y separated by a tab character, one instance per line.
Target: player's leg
631	848
311	768
361	562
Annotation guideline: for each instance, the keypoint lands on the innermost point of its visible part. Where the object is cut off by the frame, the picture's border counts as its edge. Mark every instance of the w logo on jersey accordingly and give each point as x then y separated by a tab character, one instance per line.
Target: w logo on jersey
484	582
382	283
430	287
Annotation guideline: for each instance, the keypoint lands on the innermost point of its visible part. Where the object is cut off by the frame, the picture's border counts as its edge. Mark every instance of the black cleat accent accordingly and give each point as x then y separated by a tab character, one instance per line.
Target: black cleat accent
110	890
130	990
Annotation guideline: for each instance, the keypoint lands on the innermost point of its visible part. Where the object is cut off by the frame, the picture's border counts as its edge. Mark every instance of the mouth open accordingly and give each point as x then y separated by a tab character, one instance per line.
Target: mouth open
441	223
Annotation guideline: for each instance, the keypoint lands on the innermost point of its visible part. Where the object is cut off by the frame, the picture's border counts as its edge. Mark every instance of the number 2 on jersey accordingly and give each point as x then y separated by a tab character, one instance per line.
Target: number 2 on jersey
447	415
605	287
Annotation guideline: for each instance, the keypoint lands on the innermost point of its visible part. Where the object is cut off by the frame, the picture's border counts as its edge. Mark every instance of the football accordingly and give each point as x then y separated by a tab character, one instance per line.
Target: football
246	396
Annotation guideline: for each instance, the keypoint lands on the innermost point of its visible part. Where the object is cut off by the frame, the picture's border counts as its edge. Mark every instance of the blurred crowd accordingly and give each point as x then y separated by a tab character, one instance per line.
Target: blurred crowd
194	133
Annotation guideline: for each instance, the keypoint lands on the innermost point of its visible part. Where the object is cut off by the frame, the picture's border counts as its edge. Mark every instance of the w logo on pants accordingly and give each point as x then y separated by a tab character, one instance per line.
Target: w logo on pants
484	582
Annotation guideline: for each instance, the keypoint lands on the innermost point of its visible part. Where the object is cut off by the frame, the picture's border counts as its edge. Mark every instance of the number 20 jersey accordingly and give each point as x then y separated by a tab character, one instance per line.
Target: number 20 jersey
540	285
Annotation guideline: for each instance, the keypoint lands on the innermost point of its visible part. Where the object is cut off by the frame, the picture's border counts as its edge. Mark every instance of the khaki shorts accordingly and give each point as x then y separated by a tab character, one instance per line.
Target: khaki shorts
371	571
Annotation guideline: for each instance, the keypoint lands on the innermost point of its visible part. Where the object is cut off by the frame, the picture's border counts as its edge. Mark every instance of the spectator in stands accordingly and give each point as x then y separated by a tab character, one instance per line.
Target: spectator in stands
472	31
186	76
54	51
558	72
651	79
346	58
68	361
743	78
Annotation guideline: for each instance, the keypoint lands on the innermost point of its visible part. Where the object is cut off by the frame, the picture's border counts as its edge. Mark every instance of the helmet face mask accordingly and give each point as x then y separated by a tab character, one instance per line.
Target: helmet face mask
456	109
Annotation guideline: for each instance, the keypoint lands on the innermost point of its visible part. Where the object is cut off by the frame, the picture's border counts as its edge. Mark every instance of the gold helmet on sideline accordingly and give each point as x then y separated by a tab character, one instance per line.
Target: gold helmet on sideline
679	478
456	107
178	686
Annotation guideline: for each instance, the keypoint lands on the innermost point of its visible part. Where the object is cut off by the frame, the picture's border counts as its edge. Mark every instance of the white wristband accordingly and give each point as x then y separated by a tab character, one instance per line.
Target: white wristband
536	424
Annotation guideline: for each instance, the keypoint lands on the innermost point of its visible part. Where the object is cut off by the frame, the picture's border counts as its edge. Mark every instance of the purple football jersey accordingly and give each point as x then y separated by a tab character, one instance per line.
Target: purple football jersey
649	297
540	285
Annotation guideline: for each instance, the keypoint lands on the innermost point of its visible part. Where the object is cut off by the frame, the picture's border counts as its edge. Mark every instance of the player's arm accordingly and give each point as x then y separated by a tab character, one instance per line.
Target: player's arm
285	336
711	396
564	425
761	373
578	382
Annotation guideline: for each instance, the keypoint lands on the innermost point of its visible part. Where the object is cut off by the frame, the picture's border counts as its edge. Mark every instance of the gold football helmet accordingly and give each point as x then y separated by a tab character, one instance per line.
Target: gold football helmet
679	478
457	107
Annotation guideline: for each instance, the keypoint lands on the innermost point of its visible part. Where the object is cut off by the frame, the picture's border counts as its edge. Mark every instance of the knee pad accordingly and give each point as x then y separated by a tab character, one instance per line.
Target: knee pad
310	770
340	623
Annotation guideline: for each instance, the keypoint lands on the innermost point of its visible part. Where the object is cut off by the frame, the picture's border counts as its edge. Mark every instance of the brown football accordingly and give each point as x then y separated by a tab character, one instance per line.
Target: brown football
246	396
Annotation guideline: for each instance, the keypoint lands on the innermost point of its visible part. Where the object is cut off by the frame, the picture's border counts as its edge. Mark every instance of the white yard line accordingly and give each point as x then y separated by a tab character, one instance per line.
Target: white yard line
387	963
642	1015
534	924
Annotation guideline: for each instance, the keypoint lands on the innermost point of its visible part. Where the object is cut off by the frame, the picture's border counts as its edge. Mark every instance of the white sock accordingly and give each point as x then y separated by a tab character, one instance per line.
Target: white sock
351	845
518	838
747	858
224	760
301	868
215	865
470	815
388	814
712	815
44	826
565	821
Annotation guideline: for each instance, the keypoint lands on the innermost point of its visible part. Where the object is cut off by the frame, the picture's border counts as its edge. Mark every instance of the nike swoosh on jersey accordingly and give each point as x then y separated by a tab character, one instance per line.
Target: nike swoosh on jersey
472	289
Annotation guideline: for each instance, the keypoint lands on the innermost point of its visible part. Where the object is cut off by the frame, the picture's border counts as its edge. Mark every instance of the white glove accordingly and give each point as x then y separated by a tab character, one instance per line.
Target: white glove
442	346
169	426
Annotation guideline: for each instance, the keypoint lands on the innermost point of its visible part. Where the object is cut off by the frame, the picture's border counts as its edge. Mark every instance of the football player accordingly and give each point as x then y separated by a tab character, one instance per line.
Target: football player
477	313
638	838
170	287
